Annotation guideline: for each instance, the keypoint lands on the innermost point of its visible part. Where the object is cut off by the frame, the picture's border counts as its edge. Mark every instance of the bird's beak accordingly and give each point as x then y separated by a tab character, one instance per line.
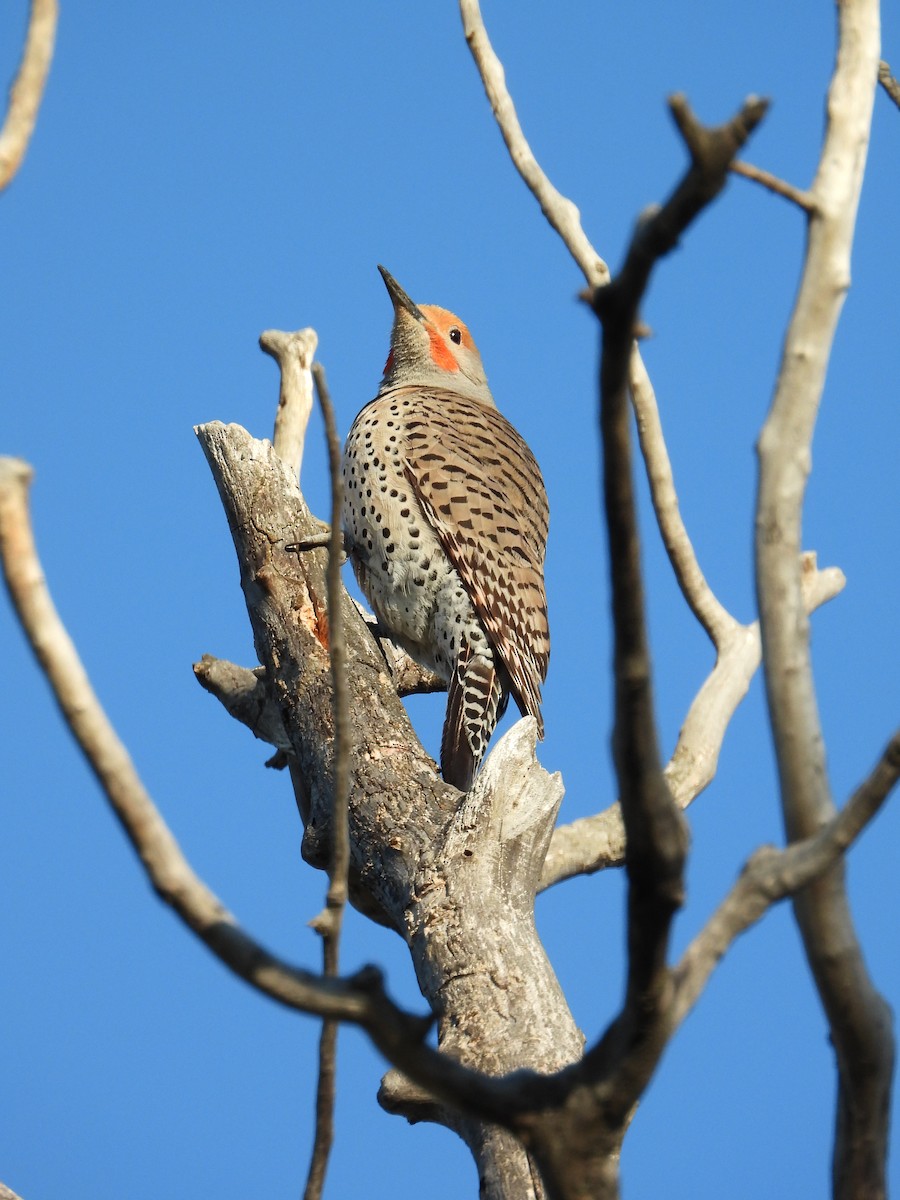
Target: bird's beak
399	298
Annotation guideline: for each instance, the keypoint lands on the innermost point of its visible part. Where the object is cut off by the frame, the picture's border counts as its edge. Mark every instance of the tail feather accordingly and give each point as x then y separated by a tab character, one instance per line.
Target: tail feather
475	703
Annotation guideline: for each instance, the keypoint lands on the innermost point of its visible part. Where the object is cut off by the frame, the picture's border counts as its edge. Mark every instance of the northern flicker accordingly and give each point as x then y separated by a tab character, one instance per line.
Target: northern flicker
445	520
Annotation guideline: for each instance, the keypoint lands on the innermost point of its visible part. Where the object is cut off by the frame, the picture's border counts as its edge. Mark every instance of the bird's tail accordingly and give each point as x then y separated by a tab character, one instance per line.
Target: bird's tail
475	703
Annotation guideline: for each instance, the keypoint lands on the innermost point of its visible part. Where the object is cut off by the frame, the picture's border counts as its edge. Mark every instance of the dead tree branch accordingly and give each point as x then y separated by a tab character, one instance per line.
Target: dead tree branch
337	653
597	842
859	1019
359	999
713	616
888	82
655	835
778	186
245	696
558	209
329	922
770	875
28	88
294	354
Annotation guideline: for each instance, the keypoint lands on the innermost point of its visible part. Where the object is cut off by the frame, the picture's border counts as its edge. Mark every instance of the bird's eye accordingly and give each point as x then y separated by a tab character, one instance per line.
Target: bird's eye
455	334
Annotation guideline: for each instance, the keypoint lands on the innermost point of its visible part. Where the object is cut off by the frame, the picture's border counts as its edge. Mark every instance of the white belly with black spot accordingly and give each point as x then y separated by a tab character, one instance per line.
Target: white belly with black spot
401	566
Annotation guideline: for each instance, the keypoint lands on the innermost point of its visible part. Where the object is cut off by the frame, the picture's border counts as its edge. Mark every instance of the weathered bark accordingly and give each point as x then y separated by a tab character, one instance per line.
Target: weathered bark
455	875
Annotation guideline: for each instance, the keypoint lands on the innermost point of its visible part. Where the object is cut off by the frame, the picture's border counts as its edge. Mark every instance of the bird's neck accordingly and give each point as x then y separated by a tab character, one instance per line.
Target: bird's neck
441	381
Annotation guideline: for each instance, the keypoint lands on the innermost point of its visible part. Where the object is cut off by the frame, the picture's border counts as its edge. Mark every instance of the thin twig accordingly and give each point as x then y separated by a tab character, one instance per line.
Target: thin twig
329	922
711	614
780	187
337	885
888	82
558	209
28	88
326	1082
656	841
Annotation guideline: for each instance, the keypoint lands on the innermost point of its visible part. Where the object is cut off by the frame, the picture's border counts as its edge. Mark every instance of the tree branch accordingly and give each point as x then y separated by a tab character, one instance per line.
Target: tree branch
713	616
337	652
244	693
28	88
245	696
294	354
771	875
858	1016
594	843
558	209
655	834
359	999
329	922
796	195
888	82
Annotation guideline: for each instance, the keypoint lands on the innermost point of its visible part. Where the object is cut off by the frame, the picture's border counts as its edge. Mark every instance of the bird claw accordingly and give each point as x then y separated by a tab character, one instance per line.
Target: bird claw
316	541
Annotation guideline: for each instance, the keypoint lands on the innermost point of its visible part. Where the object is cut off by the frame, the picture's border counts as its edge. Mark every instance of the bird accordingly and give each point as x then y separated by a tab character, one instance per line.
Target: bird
445	520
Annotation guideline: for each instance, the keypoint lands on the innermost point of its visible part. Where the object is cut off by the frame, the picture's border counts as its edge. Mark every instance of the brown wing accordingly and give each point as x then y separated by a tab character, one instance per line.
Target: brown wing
483	493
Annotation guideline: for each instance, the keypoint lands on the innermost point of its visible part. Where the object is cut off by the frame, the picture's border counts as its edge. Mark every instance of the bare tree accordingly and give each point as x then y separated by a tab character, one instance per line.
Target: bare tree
456	875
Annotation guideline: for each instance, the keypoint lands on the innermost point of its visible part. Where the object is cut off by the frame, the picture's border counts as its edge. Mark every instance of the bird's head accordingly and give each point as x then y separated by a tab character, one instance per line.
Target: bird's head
429	345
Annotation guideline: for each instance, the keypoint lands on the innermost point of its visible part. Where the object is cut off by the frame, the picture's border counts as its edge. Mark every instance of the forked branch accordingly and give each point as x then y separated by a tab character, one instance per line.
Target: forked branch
597	842
655	835
772	875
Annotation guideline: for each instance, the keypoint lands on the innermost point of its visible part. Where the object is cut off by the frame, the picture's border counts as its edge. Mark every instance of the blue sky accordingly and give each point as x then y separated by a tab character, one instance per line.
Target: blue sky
202	172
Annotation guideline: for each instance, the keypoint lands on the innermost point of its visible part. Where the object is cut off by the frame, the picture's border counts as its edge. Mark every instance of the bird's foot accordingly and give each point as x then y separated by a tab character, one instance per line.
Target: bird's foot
316	541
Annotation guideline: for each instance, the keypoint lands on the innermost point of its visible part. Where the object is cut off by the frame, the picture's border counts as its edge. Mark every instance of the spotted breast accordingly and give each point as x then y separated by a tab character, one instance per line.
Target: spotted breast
445	518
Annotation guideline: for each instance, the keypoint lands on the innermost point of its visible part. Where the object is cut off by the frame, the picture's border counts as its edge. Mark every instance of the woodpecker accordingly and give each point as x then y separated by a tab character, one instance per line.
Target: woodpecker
445	520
